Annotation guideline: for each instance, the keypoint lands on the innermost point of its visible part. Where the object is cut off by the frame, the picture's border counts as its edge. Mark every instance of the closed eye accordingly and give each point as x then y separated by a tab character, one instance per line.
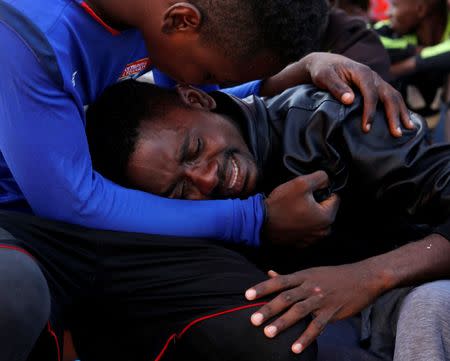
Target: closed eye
179	191
196	150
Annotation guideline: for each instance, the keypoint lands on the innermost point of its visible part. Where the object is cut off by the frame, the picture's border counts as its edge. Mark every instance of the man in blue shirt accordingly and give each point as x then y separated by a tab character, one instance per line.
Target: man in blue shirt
59	55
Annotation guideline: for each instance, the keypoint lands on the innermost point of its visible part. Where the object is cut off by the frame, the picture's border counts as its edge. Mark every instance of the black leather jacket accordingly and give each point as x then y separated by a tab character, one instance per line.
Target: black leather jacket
393	190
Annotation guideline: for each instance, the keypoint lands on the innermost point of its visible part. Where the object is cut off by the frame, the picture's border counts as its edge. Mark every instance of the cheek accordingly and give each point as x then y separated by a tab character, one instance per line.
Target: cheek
191	73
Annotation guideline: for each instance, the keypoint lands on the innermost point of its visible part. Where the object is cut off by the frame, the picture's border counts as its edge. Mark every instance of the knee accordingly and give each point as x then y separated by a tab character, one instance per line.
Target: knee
430	300
24	293
233	337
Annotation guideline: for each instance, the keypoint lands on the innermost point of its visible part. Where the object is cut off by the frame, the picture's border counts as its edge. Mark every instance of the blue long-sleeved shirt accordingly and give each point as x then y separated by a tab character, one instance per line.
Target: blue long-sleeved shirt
240	91
56	57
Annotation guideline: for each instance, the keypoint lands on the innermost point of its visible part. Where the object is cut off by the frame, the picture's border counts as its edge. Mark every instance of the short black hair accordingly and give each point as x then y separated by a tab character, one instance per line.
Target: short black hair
114	119
441	5
288	29
363	4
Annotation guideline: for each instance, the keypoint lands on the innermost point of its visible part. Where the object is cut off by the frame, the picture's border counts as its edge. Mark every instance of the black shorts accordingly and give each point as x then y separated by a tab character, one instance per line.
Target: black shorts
128	296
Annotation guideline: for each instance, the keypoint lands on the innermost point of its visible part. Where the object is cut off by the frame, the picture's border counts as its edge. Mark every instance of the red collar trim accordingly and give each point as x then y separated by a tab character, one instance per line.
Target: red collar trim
91	12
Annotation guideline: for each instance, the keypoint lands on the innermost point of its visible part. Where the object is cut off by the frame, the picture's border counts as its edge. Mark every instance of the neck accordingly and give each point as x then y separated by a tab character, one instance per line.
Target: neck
432	29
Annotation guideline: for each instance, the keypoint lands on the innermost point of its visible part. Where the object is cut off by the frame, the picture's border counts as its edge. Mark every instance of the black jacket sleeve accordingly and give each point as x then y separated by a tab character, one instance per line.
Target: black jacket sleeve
405	175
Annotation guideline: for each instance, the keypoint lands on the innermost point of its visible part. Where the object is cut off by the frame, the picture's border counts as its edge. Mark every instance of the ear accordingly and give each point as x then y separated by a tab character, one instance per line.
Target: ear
422	9
181	16
195	98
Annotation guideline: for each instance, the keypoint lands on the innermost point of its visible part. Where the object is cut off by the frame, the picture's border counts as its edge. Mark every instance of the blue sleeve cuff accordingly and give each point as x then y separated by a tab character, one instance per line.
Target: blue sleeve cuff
244	90
248	219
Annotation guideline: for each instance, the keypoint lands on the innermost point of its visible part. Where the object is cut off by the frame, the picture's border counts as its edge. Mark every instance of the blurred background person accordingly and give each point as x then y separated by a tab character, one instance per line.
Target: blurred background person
379	10
371	10
417	38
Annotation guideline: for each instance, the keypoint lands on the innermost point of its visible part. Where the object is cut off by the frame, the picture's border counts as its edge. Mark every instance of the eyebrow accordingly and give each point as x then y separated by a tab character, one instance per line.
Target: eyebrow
181	156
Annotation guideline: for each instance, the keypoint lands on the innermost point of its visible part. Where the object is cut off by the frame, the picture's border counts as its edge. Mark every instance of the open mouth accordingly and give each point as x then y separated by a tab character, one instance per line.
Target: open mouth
235	174
236	177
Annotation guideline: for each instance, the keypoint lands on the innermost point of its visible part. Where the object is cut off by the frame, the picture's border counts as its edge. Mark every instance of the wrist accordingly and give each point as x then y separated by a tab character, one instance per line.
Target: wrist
379	277
304	66
264	228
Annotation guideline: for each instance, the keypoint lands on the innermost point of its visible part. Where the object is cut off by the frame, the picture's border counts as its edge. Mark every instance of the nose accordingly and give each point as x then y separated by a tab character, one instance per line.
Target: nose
204	176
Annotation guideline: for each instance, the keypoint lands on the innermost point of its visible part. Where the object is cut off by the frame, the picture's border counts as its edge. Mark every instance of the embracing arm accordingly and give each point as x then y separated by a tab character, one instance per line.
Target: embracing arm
336	73
43	140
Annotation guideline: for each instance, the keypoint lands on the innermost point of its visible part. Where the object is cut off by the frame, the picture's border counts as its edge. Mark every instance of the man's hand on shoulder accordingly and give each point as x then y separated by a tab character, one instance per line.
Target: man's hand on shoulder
336	74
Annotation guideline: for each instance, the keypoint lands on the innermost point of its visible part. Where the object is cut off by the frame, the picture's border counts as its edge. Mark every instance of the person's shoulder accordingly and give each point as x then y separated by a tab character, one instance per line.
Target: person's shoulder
339	19
42	14
31	21
384	28
344	31
306	97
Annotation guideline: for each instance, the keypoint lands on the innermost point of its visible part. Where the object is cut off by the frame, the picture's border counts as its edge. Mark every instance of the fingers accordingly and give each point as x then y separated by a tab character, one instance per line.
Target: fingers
280	303
392	108
272	285
339	88
272	274
395	108
313	331
405	116
396	111
331	205
296	312
369	90
316	180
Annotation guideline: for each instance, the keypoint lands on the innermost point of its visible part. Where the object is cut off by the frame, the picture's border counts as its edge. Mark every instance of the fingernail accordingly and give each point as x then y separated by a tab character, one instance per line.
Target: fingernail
399	130
346	97
297	348
270	331
368	127
250	294
257	319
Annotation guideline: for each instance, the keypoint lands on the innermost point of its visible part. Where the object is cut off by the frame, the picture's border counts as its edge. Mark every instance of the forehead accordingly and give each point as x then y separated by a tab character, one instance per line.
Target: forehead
263	65
226	68
153	163
177	119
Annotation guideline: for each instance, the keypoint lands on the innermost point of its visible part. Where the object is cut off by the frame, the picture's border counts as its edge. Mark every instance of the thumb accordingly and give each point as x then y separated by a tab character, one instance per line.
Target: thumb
272	274
331	204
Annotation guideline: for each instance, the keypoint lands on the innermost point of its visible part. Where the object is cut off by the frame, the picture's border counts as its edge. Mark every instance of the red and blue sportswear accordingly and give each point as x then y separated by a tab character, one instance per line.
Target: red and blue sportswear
57	56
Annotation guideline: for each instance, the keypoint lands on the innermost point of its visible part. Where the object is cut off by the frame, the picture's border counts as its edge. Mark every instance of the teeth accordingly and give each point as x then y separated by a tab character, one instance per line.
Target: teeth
235	174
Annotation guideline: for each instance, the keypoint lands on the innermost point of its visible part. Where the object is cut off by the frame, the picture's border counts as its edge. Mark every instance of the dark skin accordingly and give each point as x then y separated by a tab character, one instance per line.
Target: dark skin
421	17
172	31
198	155
329	293
335	293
